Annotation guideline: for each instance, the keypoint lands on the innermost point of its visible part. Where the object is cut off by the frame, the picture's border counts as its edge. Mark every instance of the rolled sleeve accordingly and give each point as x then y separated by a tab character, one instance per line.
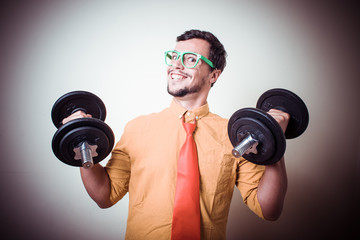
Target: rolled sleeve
248	178
118	169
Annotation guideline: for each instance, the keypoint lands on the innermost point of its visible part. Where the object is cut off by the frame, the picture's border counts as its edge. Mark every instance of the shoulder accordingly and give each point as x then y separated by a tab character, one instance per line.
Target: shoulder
147	120
217	126
216	119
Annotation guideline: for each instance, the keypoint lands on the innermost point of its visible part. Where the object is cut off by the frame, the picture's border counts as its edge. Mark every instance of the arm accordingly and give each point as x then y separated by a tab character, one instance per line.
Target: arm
273	184
97	184
95	179
272	189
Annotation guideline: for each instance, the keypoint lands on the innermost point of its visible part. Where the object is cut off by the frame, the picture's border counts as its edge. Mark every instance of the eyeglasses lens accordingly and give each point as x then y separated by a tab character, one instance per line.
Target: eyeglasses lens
171	57
189	60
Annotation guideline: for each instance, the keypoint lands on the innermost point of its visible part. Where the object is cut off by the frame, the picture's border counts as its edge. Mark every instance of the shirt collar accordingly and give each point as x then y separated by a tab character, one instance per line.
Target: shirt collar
190	115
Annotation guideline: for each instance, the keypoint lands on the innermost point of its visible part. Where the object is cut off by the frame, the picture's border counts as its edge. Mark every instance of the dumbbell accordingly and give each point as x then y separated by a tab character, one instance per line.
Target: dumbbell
257	136
83	141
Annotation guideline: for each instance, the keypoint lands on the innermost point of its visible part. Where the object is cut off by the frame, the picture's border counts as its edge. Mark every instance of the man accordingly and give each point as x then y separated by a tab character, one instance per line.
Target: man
144	162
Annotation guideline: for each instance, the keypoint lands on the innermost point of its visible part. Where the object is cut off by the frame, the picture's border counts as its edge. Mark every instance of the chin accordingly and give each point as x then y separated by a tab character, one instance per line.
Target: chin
179	92
175	87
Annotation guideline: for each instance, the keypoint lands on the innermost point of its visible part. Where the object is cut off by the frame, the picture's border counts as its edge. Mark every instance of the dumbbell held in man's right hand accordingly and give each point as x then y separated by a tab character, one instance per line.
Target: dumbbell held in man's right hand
257	136
82	141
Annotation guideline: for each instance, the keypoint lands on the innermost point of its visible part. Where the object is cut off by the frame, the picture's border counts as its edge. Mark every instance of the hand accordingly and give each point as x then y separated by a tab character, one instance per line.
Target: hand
75	115
281	117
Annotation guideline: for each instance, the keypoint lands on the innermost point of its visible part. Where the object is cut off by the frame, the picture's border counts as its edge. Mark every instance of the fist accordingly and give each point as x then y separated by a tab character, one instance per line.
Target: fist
75	115
281	117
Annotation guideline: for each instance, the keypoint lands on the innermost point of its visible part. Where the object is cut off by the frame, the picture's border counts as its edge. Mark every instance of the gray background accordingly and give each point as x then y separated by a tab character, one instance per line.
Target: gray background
115	49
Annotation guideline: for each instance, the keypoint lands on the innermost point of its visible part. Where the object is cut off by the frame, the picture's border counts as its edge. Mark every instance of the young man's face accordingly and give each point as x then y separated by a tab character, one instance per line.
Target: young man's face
184	81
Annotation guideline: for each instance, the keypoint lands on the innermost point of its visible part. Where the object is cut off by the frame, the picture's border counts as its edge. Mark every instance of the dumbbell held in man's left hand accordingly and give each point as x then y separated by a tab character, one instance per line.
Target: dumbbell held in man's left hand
257	136
81	141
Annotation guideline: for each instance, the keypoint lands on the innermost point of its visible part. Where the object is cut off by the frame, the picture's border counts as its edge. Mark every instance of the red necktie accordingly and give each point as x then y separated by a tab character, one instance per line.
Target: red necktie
186	216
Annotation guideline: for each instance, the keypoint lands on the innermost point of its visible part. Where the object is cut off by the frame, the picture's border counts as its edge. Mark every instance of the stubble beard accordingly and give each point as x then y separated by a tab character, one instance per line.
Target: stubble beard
182	92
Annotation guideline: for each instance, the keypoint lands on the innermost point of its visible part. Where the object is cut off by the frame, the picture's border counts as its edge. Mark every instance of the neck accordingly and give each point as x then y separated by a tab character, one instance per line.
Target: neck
191	103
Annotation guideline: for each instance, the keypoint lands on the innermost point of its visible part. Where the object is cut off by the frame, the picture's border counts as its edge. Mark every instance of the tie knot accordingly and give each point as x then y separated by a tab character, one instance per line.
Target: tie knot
189	127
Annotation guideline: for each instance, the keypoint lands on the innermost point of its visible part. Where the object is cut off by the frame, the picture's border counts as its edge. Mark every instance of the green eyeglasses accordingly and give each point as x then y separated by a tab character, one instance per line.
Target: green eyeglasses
188	59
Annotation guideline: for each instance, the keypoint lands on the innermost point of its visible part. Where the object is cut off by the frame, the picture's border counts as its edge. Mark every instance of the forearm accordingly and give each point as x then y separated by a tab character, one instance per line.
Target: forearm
272	190
97	184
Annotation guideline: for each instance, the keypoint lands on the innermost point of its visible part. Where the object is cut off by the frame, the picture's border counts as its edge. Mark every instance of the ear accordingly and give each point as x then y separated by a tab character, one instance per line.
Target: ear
214	75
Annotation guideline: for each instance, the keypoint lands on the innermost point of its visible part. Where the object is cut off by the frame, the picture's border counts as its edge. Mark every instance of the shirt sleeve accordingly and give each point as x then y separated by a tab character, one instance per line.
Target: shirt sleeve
118	169
247	181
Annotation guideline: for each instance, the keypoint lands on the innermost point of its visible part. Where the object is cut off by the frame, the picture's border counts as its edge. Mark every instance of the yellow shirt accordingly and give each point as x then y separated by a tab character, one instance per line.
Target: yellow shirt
144	164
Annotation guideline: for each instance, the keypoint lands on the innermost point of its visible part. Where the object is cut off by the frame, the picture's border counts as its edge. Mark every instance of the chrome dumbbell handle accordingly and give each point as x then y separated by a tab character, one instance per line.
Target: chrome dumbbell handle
85	152
247	145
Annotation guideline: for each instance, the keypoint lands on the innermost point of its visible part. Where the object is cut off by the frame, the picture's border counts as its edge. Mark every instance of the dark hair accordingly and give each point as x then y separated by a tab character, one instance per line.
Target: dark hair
217	53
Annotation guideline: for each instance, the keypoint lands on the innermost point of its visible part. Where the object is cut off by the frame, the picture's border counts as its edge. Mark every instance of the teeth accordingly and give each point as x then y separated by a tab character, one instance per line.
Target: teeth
176	76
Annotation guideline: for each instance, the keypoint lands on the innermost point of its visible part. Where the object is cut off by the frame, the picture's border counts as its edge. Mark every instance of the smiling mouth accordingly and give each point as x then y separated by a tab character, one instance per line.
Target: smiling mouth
178	76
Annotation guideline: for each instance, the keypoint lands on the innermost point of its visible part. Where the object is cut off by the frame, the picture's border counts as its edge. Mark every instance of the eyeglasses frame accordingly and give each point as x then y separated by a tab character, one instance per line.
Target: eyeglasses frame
181	54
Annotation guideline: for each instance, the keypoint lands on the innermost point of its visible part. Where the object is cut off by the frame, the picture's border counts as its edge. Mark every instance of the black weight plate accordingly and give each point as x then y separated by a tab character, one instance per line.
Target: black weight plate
266	147
73	139
77	100
289	102
262	127
68	134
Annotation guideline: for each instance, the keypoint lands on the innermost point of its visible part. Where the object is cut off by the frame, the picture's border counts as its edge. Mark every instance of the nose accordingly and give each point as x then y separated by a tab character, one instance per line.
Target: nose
177	64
